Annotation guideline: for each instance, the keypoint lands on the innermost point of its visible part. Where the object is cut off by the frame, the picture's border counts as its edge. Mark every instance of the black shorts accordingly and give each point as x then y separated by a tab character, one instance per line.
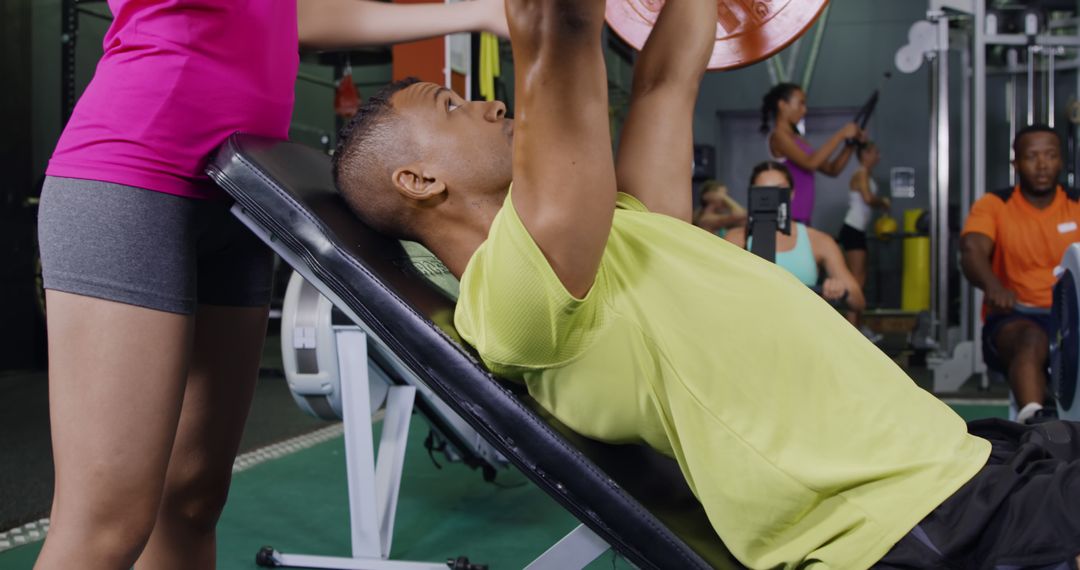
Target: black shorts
851	239
994	323
1021	511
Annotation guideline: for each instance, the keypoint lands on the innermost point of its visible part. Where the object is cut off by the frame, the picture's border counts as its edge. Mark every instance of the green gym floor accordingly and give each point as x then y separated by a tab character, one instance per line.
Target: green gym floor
289	490
298	504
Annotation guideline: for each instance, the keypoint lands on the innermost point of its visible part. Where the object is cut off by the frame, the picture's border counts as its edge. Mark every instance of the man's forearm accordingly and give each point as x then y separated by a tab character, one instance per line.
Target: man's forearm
551	25
978	271
680	45
563	168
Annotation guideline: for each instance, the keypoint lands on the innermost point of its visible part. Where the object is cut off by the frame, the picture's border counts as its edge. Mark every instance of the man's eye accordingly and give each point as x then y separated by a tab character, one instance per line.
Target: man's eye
450	106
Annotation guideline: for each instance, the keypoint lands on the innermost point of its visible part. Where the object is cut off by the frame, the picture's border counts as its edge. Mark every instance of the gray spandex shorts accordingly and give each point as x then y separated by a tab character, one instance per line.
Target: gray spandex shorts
147	248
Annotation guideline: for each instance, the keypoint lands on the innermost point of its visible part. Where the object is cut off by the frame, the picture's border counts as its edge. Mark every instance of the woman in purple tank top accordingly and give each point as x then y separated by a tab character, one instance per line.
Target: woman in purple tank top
783	107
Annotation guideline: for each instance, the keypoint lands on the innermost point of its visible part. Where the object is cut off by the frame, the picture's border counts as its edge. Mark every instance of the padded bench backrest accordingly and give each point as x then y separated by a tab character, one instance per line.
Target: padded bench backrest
634	498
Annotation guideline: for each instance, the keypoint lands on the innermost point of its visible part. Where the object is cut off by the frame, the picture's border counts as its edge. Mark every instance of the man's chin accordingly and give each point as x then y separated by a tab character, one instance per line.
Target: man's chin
1044	188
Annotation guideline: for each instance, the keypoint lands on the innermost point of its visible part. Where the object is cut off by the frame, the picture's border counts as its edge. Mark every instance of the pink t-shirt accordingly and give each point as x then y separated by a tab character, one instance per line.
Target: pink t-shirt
177	78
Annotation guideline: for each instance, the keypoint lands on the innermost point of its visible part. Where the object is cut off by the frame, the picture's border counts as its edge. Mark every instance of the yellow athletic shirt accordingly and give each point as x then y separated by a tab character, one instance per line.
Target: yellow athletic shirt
807	446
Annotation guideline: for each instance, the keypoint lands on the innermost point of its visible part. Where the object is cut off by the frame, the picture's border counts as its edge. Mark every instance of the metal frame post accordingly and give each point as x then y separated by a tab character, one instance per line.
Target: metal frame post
390	463
1012	59
1031	51
939	192
1051	85
932	179
978	172
966	322
359	447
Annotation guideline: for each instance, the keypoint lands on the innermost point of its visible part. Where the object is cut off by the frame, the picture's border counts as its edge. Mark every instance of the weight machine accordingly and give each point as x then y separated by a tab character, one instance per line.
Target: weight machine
972	28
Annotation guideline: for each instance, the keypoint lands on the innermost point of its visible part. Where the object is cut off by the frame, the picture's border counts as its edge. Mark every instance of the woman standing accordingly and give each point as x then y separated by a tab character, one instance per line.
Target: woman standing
157	297
861	199
782	108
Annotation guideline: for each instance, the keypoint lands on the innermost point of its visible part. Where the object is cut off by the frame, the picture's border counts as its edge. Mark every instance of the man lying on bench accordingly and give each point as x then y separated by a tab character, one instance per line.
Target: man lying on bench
807	446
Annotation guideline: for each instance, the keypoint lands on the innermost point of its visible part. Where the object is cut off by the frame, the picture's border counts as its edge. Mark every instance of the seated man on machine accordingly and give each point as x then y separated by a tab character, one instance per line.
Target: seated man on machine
806	445
1011	242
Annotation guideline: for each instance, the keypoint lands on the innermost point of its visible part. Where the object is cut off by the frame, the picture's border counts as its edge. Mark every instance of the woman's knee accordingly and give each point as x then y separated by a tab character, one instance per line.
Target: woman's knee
110	530
197	499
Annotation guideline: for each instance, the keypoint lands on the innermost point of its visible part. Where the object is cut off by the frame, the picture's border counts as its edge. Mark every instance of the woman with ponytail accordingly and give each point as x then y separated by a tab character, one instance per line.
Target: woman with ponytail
781	110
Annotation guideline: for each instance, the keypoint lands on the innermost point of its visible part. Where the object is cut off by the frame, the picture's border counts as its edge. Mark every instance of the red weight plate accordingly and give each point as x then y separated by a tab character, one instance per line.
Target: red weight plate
747	31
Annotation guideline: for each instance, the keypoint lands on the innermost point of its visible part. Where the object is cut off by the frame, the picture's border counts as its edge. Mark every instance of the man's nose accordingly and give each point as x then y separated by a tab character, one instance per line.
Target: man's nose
494	110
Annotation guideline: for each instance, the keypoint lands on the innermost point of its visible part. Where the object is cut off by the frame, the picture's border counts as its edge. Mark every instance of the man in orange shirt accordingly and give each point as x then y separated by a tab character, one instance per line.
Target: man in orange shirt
1011	242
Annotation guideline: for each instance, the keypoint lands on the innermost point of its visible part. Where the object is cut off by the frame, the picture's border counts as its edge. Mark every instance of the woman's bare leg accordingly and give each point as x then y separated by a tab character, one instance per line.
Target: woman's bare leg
856	262
116	381
221	383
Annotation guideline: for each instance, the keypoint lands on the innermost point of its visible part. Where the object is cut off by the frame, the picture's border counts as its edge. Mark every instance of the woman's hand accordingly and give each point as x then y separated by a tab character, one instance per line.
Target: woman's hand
850	131
833	289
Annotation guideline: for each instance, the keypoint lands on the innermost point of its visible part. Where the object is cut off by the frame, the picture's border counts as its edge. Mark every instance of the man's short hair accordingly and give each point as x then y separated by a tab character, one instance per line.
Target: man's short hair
1031	129
362	173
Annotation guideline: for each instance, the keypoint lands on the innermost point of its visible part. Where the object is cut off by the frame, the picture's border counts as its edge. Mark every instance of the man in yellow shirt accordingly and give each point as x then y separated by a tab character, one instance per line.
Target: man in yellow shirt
806	445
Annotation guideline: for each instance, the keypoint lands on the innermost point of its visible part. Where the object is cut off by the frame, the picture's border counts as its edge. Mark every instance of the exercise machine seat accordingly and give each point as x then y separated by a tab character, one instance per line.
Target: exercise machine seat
634	498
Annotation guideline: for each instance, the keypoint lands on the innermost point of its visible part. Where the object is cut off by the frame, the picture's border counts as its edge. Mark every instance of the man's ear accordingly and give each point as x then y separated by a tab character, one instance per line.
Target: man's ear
411	183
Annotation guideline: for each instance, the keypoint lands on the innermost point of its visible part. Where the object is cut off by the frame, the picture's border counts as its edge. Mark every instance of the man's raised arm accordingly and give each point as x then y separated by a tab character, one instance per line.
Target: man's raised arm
656	151
564	173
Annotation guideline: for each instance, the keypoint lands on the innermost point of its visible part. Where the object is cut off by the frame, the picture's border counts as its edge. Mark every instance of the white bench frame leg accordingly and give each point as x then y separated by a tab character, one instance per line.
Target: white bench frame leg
576	550
374	482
